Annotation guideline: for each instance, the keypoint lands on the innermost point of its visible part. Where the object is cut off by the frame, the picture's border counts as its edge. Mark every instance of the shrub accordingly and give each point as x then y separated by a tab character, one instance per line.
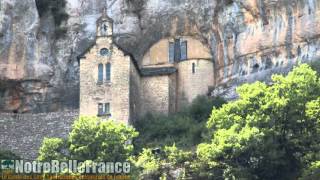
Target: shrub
7	155
185	128
52	149
91	139
315	65
270	132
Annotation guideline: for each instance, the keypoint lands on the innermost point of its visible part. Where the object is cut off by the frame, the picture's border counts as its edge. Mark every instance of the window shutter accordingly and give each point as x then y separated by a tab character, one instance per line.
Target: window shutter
100	109
177	50
108	72
184	50
171	52
100	73
107	108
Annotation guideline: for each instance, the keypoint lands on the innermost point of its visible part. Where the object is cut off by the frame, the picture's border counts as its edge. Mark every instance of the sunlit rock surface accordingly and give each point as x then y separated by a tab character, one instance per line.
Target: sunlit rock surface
249	39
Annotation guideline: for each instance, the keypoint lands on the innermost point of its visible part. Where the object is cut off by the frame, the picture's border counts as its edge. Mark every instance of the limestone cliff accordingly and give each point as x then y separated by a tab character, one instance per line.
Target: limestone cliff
249	40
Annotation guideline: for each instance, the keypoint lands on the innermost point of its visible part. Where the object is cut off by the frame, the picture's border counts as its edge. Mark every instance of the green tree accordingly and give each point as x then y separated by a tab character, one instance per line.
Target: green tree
270	132
52	149
185	128
91	139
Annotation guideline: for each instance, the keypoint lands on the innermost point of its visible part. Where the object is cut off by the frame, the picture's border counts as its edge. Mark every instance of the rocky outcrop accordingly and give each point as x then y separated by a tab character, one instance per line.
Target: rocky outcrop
249	39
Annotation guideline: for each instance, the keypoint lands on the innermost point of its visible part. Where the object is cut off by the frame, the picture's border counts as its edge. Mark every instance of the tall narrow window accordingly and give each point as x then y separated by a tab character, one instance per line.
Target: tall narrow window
107	108
100	109
184	50
100	73
171	52
108	72
193	68
177	50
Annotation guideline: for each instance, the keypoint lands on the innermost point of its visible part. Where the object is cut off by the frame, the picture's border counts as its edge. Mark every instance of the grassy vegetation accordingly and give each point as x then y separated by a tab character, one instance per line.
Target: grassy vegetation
7	155
270	132
185	128
315	65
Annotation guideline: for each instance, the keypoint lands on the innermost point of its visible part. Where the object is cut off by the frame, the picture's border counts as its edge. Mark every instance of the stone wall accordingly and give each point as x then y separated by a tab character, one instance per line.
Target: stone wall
23	133
155	94
191	84
158	54
116	91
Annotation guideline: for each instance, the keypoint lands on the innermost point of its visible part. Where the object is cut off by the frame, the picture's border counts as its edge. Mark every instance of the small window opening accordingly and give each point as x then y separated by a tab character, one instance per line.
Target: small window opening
100	109
193	68
299	50
103	109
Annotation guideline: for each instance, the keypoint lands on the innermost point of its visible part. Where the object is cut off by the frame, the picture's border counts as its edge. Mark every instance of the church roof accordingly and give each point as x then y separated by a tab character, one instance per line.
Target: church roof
157	71
105	17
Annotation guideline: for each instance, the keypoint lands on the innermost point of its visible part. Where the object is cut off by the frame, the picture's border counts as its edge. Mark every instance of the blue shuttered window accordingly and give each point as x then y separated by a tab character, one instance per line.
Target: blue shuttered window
178	51
103	109
100	73
107	108
184	50
108	72
100	109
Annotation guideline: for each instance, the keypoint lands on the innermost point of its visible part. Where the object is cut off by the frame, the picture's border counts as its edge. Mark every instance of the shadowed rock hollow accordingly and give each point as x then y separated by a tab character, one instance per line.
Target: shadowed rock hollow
249	40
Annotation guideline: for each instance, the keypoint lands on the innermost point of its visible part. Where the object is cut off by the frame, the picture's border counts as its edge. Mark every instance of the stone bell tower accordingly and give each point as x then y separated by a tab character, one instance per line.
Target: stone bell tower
105	76
104	25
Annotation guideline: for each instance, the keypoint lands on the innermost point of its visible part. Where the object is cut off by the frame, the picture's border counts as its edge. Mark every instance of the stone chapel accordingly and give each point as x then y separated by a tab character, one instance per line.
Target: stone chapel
173	72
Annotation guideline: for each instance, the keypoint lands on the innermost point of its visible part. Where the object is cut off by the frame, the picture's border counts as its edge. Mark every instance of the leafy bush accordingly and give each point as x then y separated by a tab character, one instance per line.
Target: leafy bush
315	65
91	139
312	172
52	149
270	132
150	165
8	155
146	163
176	156
185	128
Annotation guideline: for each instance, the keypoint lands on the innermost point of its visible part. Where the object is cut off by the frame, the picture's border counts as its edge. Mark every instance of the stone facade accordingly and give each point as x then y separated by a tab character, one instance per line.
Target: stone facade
190	84
187	83
114	90
158	84
23	133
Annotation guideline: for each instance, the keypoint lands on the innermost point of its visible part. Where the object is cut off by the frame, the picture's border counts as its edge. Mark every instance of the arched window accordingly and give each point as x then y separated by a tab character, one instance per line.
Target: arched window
100	73
108	71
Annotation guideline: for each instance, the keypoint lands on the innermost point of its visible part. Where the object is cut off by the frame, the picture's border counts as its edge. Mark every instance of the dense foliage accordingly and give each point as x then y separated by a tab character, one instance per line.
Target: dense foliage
271	132
91	139
185	128
7	155
150	165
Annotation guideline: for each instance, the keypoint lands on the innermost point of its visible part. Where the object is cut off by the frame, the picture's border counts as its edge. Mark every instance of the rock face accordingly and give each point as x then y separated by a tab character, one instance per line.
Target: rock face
249	39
